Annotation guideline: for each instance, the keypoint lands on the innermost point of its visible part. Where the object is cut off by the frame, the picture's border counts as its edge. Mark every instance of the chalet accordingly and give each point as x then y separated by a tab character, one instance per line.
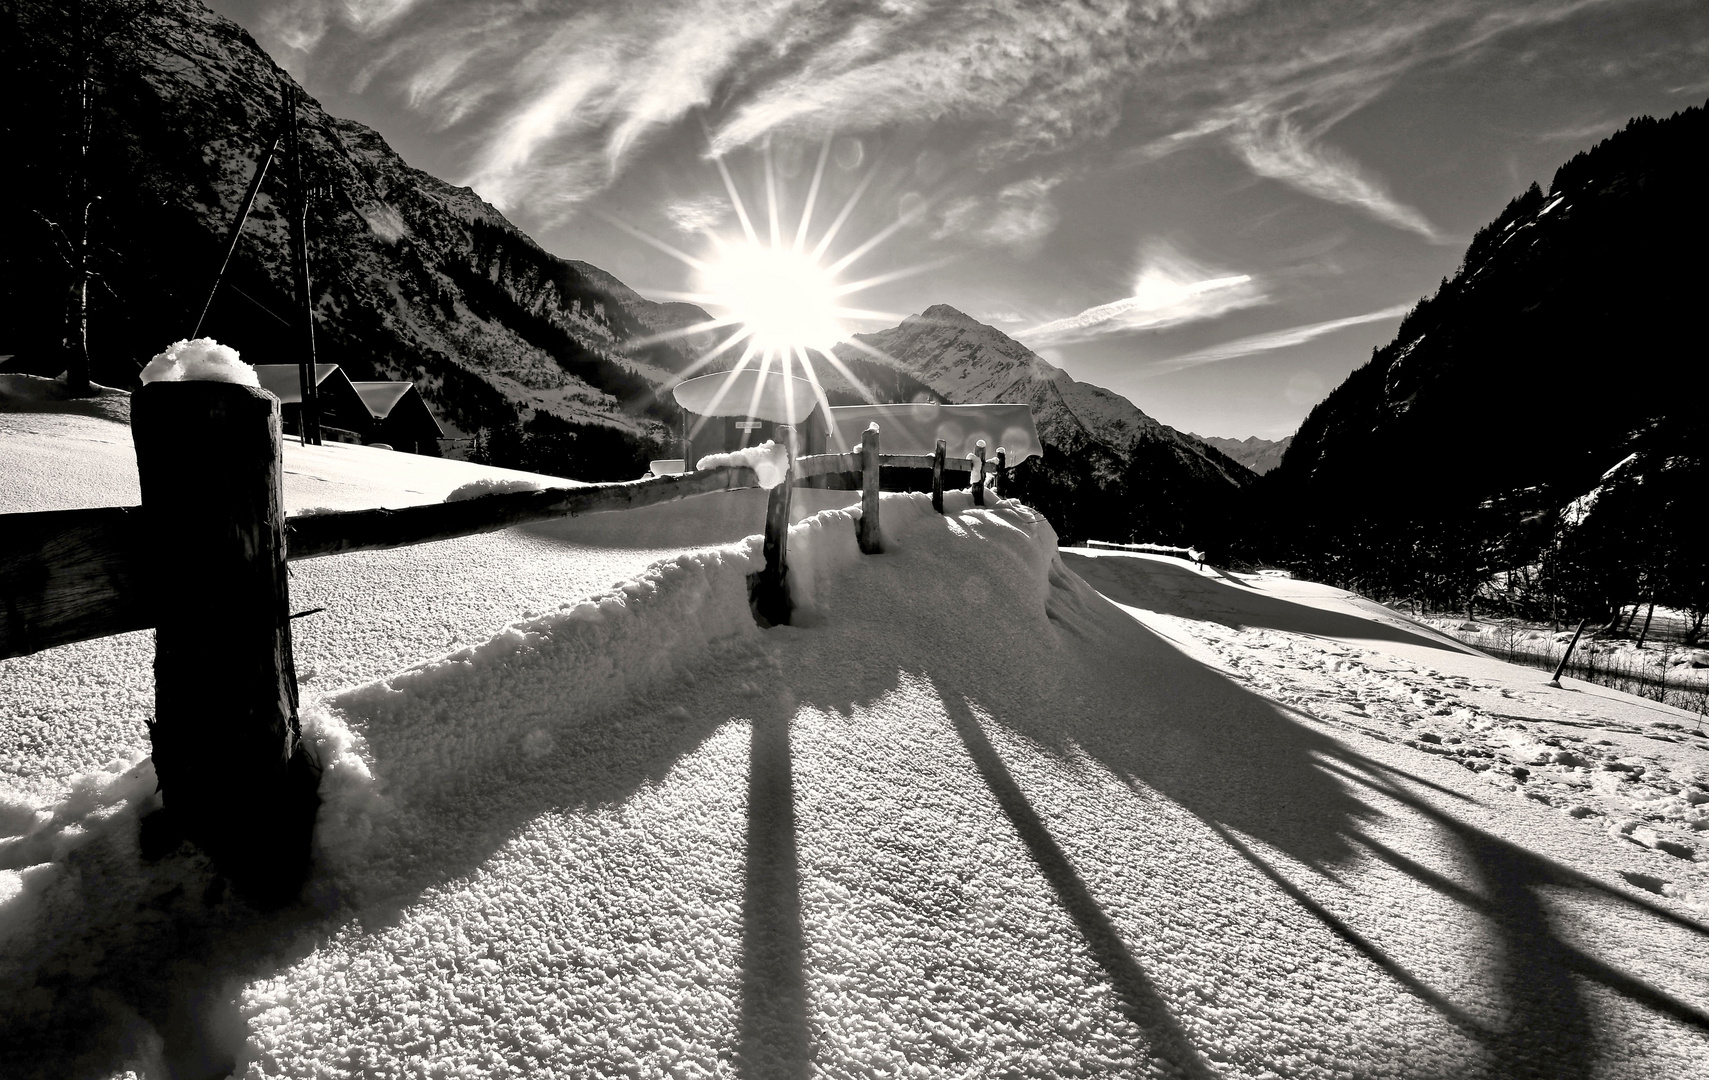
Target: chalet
398	417
726	411
391	414
343	415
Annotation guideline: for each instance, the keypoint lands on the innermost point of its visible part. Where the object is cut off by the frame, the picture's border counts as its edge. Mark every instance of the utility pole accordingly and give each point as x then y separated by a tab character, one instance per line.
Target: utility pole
308	423
236	230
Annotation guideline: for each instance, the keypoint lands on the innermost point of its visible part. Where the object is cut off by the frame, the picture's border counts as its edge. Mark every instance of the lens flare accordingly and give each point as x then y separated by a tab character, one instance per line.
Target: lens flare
781	296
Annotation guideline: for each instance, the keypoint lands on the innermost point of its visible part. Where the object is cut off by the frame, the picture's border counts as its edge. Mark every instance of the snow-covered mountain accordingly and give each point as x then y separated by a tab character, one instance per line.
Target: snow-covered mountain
1163	482
1259	455
413	277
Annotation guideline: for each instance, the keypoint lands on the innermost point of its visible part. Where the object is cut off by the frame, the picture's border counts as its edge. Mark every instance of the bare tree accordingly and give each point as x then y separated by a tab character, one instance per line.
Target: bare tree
84	43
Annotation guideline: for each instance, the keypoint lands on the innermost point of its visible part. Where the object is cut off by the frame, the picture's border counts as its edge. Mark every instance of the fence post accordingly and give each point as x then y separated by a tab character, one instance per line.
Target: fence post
938	478
979	476
233	775
1555	679
770	588
1002	472
866	532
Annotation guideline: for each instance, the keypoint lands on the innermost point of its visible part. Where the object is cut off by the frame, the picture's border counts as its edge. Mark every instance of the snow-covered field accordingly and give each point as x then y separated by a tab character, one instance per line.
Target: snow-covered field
990	810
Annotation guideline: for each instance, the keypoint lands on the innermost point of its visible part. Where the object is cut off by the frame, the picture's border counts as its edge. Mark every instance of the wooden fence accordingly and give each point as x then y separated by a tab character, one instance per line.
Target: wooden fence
202	561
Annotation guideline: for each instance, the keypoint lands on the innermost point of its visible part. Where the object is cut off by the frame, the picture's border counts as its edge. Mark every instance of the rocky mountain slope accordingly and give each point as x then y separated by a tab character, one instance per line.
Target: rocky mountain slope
1109	470
1259	455
412	277
1569	335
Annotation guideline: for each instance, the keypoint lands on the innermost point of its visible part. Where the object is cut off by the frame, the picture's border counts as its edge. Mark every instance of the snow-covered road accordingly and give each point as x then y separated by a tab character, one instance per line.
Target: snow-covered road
971	818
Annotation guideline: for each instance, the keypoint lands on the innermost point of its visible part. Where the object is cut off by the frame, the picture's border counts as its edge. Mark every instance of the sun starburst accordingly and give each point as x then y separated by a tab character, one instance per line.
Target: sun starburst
779	298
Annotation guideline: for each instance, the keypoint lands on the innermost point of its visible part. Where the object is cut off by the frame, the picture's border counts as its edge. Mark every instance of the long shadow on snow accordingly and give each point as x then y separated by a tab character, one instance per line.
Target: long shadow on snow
132	961
1170	589
1239	762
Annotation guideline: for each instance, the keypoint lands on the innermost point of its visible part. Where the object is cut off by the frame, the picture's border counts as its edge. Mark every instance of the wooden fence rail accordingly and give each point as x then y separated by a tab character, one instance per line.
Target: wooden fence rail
226	743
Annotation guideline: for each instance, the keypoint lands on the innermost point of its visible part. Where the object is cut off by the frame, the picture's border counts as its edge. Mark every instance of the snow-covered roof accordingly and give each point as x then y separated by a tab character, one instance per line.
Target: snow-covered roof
916	427
777	397
284	382
381	397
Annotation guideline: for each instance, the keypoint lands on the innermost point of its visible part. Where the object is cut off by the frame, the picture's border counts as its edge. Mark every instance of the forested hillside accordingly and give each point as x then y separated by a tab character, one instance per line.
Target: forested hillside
1569	340
149	122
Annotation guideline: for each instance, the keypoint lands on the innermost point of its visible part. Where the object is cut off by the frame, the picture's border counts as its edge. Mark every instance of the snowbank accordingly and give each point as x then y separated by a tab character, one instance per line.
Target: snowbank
35	394
201	360
516	694
490	485
768	460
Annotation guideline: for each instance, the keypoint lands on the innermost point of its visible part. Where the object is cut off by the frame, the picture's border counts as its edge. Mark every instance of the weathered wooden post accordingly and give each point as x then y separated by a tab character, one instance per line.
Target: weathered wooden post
938	478
866	532
979	476
1002	472
1555	679
233	775
769	589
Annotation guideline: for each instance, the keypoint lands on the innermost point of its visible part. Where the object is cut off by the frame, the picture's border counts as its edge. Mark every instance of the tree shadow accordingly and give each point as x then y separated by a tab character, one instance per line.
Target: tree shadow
135	962
1241	764
1169	589
1139	996
773	1039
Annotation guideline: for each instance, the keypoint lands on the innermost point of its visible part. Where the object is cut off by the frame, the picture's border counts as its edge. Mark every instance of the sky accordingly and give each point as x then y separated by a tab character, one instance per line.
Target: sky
1216	208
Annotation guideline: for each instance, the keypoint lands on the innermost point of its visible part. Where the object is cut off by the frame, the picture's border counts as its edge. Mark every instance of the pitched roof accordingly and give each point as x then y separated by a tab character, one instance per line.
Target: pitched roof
381	397
284	382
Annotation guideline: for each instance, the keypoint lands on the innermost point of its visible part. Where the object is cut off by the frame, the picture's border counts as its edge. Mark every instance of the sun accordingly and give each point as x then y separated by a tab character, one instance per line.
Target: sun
782	297
777	301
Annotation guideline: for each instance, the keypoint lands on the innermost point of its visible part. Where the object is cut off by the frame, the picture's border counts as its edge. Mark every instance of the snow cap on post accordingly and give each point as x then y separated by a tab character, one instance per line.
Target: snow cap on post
201	360
872	426
769	460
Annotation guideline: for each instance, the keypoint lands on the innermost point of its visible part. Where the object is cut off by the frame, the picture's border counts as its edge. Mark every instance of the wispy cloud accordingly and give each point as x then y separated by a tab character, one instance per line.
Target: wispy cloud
1278	339
1018	217
1169	289
1280	151
549	101
1277	109
695	215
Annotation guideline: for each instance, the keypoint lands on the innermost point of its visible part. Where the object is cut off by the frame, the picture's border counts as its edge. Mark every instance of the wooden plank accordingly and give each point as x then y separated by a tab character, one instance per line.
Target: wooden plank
812	465
907	461
313	535
70	575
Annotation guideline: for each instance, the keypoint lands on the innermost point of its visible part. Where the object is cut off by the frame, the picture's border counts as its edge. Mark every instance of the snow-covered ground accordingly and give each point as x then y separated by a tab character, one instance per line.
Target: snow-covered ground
990	810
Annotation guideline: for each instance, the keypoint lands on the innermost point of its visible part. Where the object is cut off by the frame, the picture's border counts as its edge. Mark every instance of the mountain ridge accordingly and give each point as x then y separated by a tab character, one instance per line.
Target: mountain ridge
1155	483
413	277
1258	455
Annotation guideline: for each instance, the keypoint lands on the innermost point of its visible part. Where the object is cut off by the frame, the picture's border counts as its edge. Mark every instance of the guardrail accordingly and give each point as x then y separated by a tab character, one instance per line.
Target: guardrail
203	562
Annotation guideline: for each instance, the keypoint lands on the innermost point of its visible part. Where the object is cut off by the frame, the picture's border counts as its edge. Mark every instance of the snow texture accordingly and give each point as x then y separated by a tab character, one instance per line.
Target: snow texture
988	810
769	461
201	360
488	485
